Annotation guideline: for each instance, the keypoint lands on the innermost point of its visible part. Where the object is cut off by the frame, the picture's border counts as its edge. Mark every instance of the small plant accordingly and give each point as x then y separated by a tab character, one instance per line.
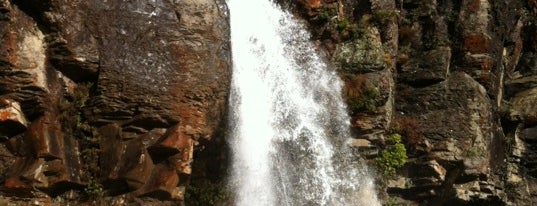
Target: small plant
393	156
94	189
391	202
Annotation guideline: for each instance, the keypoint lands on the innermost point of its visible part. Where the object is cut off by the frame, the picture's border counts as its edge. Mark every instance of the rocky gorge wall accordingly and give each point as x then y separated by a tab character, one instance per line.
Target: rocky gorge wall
454	78
124	102
107	98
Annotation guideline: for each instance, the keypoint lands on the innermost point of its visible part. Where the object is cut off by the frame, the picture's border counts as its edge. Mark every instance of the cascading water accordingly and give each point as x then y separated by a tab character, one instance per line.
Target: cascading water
289	122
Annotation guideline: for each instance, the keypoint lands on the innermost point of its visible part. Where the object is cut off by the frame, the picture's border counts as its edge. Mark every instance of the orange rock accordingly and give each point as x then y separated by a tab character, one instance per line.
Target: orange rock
174	141
14	182
477	43
314	3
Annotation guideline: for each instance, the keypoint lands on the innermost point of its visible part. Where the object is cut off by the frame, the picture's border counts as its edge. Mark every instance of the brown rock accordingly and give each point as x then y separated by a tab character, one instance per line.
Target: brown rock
131	165
429	68
46	138
111	149
477	43
162	184
23	76
135	165
26	174
149	65
12	120
175	141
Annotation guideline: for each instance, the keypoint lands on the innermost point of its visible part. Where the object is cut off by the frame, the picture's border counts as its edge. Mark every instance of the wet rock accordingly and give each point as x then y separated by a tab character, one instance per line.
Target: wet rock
360	143
54	161
467	192
147	121
520	84
398	183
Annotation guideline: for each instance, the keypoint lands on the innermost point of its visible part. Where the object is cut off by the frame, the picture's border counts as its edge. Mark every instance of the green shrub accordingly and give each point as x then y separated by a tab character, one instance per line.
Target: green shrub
393	156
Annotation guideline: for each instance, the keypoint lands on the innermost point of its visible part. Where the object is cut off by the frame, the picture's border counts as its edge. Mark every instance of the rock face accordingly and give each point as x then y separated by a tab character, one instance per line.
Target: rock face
457	79
124	101
110	97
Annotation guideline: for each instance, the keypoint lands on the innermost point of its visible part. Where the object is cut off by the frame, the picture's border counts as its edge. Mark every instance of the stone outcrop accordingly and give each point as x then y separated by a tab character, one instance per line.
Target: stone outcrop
110	97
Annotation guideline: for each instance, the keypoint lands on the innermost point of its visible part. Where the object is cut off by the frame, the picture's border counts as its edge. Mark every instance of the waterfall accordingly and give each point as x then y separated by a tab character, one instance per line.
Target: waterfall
288	120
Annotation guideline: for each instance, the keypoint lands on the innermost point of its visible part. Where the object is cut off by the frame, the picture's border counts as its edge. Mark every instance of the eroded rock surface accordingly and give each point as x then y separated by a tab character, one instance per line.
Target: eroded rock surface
128	97
455	78
110	97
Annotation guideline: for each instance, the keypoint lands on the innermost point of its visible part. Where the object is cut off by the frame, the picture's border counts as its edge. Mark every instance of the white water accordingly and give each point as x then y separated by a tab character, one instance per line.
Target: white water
289	122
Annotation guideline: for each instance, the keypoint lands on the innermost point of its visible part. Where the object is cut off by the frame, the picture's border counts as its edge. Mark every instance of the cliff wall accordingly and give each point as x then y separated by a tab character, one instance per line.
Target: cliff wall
124	102
454	78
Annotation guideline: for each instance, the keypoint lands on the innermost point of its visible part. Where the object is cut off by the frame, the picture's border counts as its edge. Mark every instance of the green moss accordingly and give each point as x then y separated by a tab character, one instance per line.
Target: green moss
393	156
343	24
384	16
475	151
365	102
349	30
326	14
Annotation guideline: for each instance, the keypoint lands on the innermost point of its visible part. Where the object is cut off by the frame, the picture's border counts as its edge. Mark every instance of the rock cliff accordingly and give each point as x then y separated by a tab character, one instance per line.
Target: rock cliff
103	98
454	78
124	102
